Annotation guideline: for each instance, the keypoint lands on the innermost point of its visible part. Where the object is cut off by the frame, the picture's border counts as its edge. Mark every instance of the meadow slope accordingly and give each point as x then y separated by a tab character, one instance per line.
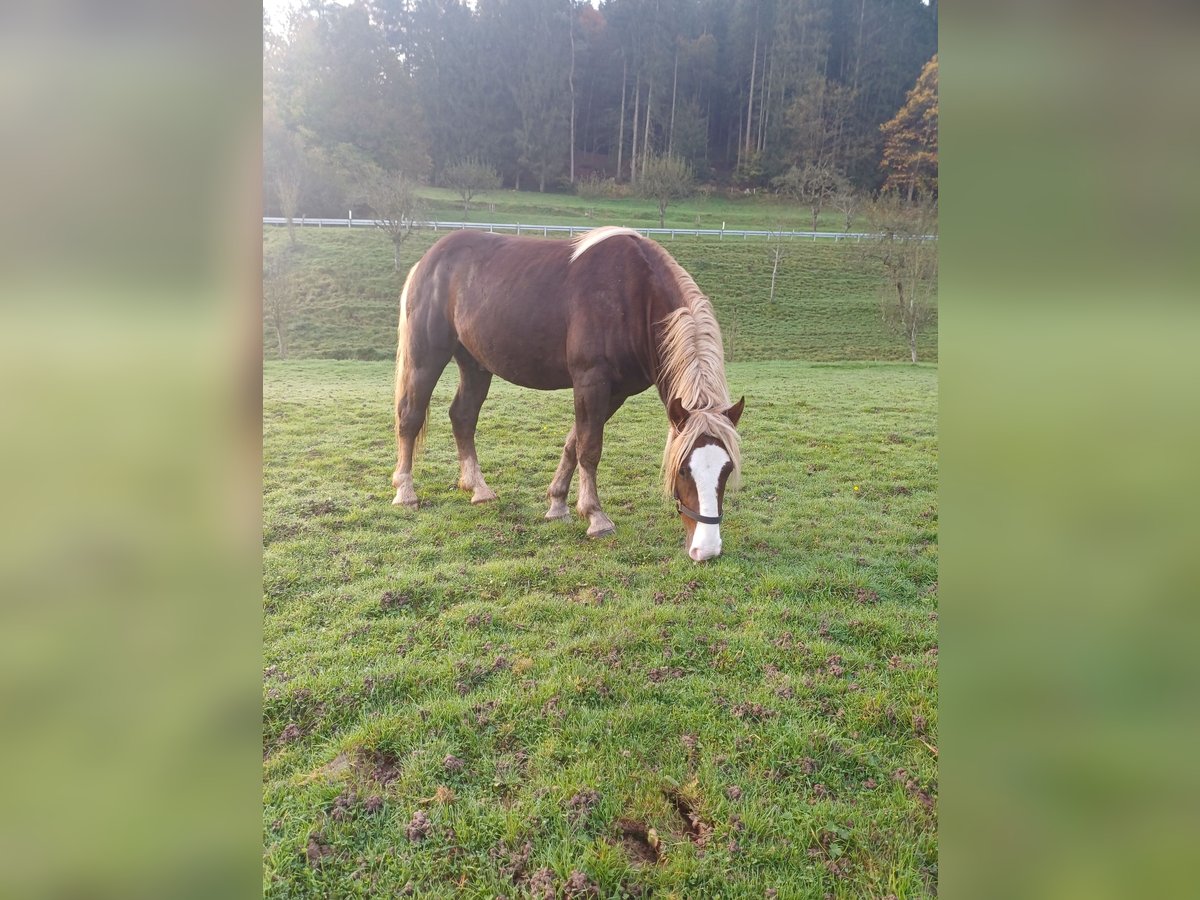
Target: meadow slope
826	298
472	702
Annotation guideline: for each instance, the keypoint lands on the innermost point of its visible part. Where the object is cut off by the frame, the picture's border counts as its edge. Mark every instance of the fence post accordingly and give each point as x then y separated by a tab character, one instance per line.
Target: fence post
349	218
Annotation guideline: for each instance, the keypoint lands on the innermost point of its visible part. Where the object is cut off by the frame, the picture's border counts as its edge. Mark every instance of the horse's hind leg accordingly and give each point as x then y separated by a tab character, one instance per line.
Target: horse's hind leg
412	407
562	481
473	384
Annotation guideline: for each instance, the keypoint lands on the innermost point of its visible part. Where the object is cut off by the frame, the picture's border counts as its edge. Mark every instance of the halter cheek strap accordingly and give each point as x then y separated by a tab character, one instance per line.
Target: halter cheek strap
693	515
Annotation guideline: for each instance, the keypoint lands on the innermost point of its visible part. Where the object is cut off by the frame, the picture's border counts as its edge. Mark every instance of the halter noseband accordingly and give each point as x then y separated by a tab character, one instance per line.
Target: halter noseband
693	515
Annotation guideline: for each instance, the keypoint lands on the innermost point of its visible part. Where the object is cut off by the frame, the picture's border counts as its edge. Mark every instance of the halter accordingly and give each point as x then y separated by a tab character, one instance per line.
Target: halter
693	515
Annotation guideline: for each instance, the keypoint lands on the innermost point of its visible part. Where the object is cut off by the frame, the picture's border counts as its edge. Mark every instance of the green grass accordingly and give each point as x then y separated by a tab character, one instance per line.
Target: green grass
776	692
762	211
826	305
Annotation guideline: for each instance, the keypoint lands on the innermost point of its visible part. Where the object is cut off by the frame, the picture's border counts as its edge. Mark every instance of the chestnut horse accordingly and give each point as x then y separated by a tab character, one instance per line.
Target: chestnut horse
607	315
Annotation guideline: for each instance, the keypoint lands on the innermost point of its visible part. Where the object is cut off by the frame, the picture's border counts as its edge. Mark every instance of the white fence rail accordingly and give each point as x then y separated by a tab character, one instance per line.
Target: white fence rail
547	230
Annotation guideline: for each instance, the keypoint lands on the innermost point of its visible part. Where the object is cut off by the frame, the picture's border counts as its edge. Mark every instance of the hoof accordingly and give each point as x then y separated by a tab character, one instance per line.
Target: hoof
405	495
483	495
601	526
558	511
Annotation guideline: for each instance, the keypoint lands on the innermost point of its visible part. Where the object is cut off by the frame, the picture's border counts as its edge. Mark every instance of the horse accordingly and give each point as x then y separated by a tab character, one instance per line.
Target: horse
607	315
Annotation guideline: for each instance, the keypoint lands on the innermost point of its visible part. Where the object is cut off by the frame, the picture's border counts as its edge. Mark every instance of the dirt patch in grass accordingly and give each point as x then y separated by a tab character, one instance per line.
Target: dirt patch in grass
320	508
580	806
541	884
418	827
317	849
753	712
639	842
512	863
579	885
394	600
693	827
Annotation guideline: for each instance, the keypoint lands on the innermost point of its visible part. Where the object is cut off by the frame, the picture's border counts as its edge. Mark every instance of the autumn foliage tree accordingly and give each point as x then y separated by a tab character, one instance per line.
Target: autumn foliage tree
910	148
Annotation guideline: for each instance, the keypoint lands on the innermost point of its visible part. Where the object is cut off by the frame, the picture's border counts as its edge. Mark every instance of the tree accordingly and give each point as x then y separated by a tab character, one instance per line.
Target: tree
813	185
289	178
776	252
349	87
283	166
665	178
816	123
905	248
279	299
846	202
910	147
535	38
470	177
393	197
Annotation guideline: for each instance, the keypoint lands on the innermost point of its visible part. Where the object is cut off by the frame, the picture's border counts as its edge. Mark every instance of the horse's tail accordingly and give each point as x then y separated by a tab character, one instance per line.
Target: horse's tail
402	355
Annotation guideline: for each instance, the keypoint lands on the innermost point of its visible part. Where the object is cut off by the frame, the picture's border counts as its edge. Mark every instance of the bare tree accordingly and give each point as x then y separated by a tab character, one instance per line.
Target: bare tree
665	178
470	177
571	80
905	247
279	299
284	164
393	197
846	201
776	253
289	179
813	185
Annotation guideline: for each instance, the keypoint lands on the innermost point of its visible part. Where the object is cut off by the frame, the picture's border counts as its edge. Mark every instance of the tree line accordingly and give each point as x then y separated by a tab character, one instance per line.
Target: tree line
806	97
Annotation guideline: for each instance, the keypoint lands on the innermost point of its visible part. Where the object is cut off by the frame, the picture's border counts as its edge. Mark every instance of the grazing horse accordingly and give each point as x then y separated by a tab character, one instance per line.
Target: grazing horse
607	315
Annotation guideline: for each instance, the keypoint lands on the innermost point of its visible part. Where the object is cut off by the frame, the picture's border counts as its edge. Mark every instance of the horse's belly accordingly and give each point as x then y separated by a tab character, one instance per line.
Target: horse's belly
524	358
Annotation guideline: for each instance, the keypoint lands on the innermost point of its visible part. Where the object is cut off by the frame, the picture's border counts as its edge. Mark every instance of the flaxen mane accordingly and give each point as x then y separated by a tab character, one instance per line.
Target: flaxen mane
692	365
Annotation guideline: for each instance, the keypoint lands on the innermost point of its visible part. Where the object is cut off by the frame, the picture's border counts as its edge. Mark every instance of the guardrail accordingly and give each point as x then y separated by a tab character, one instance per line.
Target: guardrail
572	230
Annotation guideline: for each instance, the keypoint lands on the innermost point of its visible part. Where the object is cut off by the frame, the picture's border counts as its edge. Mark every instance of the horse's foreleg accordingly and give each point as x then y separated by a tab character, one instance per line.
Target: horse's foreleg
562	481
594	404
473	385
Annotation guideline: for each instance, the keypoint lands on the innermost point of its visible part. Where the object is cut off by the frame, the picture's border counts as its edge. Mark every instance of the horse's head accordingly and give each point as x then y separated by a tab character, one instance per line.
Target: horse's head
699	480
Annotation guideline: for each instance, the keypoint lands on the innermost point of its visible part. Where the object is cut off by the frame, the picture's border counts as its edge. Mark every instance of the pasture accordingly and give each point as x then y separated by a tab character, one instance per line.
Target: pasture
827	305
469	701
734	210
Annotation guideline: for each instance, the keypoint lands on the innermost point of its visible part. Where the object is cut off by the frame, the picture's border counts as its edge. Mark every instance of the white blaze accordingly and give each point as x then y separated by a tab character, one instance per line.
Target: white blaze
706	465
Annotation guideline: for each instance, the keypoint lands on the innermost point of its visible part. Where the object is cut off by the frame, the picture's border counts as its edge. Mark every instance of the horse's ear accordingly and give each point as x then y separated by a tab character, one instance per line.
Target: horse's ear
677	414
735	412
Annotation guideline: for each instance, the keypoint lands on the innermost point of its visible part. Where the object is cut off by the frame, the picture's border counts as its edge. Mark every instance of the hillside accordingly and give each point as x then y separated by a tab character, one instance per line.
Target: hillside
826	305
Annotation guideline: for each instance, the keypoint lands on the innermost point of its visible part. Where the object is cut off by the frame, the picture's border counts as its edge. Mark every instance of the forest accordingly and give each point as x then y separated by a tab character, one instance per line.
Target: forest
790	96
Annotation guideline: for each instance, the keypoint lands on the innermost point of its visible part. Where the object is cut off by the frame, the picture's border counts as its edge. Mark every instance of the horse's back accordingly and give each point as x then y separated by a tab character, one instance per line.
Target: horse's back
529	314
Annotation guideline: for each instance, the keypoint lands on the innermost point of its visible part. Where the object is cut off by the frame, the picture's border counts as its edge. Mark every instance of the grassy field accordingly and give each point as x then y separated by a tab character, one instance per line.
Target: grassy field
826	305
472	702
761	211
